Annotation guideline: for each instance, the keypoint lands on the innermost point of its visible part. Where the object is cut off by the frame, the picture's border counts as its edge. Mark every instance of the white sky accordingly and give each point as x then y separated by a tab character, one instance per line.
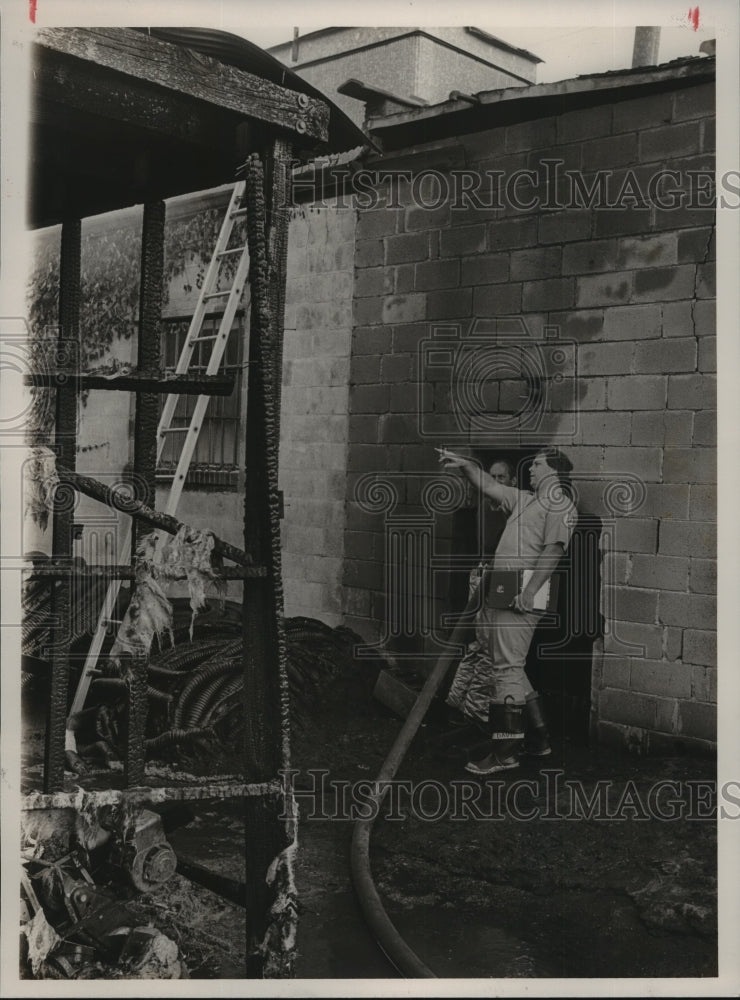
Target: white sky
568	51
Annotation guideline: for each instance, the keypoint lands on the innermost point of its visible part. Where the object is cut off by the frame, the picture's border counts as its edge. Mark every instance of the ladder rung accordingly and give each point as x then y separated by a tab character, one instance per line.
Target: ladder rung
218	295
172	430
206	336
223	253
238	211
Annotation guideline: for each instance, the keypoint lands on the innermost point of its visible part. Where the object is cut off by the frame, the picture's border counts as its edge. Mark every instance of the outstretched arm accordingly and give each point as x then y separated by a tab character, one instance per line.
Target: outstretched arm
486	484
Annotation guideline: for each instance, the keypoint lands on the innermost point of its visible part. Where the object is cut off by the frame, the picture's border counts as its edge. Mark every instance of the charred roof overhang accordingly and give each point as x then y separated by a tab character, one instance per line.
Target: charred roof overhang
494	108
122	116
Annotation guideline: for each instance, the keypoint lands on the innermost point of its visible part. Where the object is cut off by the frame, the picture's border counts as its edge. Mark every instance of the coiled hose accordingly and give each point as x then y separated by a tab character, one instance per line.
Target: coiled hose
393	946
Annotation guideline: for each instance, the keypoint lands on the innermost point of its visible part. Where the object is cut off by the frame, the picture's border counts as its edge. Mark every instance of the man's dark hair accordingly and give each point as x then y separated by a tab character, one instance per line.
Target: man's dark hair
561	464
503	461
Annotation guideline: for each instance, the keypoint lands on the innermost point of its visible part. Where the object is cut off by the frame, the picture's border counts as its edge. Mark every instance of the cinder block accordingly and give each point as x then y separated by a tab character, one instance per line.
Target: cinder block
695	245
669	142
531	135
690	465
706	282
660	572
562	227
637	392
636	534
398	428
688	610
604	428
656	677
666	501
404	308
604	290
373	281
586	123
648	428
365	545
709	135
610	152
437	274
554	293
705	318
707	359
463	240
645	463
368	253
605	358
365	369
590	257
627	707
704	684
632	322
703	505
368	311
484	269
703	576
497	300
698	719
363	574
642	112
691	538
398	368
536	263
632	604
371	340
404	279
584	325
679	428
672	643
406	247
694	102
705	429
621	221
615	672
369	398
674	355
678	319
692	392
508	234
647	251
363	428
658	284
450	303
378	222
417	217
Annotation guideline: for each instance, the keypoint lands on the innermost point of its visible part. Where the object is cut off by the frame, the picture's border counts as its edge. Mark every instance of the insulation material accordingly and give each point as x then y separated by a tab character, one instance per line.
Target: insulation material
279	943
185	556
42	940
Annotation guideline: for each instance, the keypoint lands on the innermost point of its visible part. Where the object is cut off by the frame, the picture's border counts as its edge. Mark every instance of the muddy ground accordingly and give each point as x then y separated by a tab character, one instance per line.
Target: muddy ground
513	885
479	892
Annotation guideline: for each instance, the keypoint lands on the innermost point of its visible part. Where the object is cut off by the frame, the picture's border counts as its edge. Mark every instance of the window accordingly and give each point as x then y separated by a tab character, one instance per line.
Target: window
218	452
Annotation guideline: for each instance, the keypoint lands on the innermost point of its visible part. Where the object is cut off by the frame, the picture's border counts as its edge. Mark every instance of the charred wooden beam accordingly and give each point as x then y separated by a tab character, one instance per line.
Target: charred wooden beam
136	508
65	436
141	381
137	55
94	571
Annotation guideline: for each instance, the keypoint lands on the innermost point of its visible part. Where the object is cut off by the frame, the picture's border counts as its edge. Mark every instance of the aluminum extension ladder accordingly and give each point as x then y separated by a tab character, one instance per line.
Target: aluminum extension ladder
195	336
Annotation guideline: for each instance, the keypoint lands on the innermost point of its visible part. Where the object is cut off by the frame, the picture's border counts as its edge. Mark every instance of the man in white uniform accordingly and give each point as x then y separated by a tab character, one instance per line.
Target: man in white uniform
538	529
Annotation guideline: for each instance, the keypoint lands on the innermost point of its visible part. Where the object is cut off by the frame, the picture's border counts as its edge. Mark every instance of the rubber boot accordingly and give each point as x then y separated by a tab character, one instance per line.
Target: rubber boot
536	737
506	734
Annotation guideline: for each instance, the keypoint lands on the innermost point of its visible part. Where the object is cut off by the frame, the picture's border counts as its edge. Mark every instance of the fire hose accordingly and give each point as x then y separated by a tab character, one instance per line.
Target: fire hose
393	946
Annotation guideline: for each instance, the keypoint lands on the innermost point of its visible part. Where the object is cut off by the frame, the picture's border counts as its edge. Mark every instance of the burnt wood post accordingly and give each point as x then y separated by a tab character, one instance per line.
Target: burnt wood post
266	705
65	440
145	454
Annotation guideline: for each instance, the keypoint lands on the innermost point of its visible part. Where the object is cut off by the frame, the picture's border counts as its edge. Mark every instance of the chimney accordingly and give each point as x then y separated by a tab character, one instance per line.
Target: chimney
645	51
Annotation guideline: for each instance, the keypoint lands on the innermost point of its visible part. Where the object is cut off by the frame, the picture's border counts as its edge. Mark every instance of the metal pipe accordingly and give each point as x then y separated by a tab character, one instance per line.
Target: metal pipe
645	51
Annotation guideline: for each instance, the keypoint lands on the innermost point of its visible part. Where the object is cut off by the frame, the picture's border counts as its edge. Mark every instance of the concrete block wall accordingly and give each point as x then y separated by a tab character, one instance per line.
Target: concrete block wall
314	418
633	288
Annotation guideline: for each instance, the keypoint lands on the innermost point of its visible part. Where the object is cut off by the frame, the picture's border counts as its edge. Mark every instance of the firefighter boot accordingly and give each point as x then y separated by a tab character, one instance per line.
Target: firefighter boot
536	737
505	737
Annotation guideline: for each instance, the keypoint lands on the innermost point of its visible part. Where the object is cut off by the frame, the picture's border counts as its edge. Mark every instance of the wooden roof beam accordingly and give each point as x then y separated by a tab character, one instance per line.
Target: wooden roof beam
183	71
